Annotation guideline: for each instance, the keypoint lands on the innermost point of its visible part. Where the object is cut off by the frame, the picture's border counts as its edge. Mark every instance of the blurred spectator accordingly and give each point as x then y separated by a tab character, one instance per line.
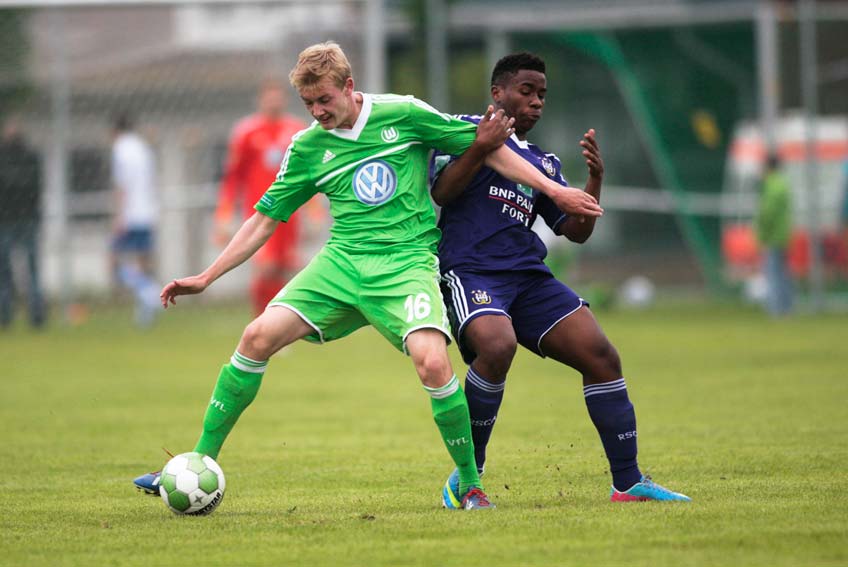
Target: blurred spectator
256	149
774	227
20	218
843	217
136	211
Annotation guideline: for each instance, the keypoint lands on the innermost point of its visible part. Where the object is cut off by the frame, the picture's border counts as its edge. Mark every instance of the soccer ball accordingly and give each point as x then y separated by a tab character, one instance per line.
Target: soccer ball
637	292
192	483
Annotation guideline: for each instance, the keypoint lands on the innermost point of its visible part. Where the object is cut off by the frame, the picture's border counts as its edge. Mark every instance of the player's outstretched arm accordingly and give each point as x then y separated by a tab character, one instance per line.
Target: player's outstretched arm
250	237
579	228
568	199
492	131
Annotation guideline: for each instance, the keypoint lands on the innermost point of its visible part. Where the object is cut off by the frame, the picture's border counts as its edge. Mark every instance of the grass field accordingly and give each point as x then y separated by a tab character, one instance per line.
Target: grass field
338	461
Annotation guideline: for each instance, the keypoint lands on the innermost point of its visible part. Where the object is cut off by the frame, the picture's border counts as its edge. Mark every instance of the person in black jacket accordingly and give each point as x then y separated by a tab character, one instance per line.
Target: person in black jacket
20	216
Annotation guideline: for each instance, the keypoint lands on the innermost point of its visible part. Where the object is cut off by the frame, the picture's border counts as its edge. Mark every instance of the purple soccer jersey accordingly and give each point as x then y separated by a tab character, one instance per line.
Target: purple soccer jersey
487	228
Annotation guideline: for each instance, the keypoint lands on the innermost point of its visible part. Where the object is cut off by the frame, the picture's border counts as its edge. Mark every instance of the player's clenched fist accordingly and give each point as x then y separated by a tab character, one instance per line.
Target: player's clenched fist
494	129
592	154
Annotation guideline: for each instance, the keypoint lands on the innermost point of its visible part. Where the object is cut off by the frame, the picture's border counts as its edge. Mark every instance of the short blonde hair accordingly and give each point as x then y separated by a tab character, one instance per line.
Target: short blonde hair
318	61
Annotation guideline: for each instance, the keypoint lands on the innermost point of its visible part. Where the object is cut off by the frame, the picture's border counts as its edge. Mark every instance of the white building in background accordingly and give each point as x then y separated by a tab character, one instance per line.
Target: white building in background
745	166
748	156
187	73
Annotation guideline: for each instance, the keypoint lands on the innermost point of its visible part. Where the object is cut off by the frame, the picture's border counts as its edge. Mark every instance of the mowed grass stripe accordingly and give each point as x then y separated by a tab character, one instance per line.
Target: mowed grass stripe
338	461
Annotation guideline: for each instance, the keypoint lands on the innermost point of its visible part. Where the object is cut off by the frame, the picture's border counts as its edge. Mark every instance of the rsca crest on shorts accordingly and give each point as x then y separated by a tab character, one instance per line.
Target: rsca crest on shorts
480	297
374	182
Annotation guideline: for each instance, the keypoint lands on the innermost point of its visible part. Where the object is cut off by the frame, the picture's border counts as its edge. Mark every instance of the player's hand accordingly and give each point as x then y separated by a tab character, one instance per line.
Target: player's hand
576	202
185	286
592	153
494	129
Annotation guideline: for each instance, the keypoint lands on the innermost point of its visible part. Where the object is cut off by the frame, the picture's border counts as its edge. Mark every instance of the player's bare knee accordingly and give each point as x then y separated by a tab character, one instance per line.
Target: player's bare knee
608	361
496	354
255	342
434	369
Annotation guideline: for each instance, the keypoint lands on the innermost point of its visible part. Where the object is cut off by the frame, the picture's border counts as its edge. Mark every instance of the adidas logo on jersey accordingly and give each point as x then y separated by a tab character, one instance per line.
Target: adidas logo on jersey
328	155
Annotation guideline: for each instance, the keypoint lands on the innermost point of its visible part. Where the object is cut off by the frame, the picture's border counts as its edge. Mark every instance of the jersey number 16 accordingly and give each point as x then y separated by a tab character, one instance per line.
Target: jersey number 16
417	307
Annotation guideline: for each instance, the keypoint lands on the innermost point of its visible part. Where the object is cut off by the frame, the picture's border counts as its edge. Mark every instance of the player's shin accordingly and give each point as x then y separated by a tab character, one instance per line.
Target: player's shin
484	401
236	388
614	418
450	412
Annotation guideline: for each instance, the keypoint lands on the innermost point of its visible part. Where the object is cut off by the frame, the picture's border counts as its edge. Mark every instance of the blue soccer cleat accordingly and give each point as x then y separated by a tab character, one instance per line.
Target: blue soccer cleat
450	492
646	489
476	499
149	483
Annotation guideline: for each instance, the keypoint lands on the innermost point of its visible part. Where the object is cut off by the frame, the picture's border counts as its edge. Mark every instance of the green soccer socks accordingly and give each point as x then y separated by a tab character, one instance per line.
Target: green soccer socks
450	412
237	386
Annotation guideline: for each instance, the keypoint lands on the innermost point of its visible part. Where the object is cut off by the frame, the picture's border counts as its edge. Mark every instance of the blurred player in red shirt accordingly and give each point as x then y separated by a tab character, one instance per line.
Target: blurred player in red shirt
255	152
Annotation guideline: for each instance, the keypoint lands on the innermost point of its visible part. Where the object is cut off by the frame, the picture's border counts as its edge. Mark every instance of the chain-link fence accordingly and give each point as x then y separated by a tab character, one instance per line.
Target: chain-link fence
671	104
184	74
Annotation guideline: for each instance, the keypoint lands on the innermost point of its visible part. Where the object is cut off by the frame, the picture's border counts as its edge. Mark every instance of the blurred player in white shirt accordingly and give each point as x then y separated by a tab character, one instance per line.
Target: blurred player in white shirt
136	211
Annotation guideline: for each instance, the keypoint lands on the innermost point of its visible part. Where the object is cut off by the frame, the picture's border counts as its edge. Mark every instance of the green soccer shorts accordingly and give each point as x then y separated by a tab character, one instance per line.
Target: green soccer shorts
337	293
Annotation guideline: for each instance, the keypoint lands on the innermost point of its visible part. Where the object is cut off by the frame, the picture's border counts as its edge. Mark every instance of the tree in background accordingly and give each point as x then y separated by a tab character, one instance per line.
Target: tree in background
15	87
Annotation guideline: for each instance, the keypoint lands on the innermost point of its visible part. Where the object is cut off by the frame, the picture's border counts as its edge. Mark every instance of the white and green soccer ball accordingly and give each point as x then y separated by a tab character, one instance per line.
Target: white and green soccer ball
192	483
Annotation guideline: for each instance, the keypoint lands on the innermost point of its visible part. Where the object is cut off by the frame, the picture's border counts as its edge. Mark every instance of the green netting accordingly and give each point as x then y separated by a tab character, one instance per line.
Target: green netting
666	102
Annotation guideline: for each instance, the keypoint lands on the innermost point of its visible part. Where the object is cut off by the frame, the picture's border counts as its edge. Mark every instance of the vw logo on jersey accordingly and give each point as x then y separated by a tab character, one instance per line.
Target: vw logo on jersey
389	135
374	182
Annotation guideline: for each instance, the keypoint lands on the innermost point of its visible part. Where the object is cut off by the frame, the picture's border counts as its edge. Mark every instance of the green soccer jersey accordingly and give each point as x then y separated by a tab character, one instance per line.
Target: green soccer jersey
375	174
